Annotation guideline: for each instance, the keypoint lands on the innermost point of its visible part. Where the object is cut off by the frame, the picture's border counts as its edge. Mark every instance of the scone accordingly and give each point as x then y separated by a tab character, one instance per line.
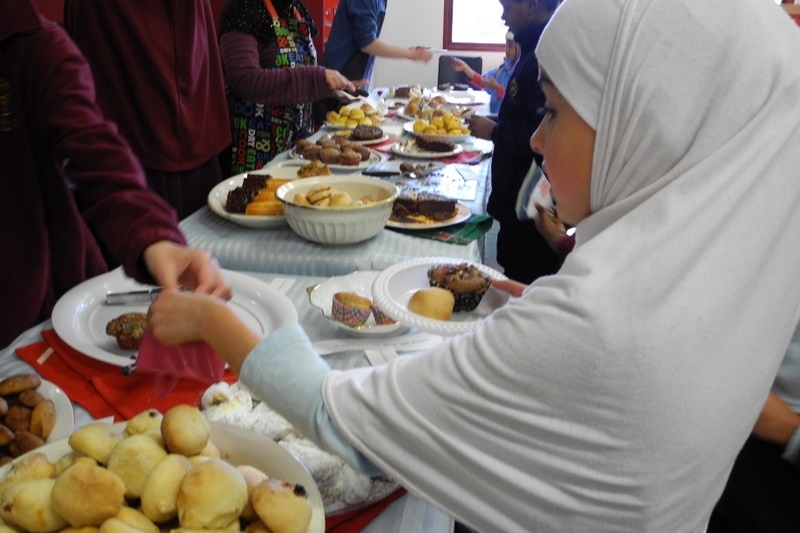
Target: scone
436	303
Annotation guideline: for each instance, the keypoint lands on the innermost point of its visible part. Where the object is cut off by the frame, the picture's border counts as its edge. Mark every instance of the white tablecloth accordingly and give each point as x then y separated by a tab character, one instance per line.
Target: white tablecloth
281	251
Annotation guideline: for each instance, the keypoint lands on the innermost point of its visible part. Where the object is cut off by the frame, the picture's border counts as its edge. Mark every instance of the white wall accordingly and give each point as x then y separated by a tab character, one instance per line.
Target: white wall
417	23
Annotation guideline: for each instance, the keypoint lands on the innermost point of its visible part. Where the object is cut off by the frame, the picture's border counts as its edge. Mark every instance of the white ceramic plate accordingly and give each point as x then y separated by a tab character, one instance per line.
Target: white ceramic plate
394	286
410	149
239	447
80	316
219	196
409	128
456	97
374	157
360	282
462	213
65	415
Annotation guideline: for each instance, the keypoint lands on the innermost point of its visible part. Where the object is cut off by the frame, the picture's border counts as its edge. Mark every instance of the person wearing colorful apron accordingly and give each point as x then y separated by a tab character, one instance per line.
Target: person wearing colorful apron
270	66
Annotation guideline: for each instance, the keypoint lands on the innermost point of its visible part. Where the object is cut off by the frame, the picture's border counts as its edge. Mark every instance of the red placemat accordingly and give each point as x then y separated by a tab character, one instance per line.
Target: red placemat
102	389
356	520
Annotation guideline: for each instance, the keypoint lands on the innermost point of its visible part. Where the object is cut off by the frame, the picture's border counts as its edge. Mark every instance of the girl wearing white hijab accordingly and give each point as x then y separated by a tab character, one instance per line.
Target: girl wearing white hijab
614	395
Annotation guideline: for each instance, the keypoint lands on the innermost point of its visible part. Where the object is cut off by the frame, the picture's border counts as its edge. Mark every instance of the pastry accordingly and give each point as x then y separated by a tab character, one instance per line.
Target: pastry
282	506
27	505
128	329
351	308
212	495
312	153
330	155
366	133
185	430
314	168
350	158
436	303
423	207
467	283
160	490
86	494
133	459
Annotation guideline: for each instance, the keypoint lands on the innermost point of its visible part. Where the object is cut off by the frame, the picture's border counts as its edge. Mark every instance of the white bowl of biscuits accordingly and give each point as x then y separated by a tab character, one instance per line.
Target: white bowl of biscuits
337	209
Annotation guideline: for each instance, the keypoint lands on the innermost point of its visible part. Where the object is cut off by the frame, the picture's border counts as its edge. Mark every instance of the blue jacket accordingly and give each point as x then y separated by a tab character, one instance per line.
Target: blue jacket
356	24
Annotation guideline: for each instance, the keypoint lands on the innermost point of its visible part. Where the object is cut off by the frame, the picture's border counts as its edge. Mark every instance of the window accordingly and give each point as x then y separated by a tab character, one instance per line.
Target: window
474	25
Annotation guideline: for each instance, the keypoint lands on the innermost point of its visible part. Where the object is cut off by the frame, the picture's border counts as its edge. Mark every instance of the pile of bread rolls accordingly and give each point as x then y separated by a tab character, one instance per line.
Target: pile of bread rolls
161	473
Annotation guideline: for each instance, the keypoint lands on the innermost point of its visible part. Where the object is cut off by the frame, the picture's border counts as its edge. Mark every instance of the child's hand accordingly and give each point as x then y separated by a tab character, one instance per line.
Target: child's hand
514	288
177	317
491	84
460	66
550	226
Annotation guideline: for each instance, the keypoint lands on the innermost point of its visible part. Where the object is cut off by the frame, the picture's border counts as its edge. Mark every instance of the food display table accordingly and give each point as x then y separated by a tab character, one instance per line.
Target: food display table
408	514
279	250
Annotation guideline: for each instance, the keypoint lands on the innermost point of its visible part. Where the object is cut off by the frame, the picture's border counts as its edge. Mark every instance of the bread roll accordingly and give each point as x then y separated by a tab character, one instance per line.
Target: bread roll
252	476
27	505
282	506
143	422
436	303
160	490
95	440
86	494
133	459
185	430
212	495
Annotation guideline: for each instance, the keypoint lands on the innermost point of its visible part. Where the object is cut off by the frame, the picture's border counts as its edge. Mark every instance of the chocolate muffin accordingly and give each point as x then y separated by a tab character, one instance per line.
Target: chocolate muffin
467	283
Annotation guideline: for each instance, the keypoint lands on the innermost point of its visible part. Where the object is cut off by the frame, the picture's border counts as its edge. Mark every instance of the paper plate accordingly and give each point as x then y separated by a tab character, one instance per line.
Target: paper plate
394	286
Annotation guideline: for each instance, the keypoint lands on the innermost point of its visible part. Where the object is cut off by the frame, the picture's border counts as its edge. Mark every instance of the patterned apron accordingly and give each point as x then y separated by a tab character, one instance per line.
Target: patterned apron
262	131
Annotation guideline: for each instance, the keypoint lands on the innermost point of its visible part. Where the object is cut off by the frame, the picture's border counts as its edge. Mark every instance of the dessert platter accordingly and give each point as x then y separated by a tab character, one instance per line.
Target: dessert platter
81	315
341	488
373	158
411	149
460	135
395	287
321	297
219	195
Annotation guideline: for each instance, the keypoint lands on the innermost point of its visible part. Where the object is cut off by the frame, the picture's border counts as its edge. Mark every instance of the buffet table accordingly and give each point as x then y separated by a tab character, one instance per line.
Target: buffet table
408	514
280	250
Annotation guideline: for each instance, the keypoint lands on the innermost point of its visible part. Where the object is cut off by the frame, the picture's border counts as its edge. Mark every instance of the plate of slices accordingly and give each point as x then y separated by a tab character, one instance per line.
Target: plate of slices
394	287
410	149
320	296
420	222
80	316
218	200
374	157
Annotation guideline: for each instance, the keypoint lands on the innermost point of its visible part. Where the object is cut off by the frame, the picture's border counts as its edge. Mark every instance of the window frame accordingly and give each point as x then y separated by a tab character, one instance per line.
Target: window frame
447	37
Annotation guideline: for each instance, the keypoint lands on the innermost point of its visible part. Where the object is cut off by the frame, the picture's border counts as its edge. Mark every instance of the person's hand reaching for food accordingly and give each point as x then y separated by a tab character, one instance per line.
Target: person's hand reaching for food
460	66
337	82
173	265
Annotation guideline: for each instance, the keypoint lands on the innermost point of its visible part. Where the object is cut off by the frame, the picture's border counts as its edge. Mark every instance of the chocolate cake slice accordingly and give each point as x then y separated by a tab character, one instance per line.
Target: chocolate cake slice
435	206
435	143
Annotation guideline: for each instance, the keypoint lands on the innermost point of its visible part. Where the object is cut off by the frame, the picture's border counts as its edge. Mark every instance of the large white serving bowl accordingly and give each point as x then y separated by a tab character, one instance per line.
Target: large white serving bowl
339	225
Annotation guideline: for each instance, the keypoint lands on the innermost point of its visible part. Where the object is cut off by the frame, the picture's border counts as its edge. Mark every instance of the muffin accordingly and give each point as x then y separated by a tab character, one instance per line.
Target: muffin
467	283
350	158
351	308
330	155
312	153
128	329
302	144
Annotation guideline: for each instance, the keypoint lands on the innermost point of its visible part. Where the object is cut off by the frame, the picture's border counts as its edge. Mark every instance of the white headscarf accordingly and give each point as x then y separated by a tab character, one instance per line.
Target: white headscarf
615	395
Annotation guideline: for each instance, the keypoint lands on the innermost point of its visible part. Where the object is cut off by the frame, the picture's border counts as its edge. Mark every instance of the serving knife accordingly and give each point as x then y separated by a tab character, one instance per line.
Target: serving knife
133	297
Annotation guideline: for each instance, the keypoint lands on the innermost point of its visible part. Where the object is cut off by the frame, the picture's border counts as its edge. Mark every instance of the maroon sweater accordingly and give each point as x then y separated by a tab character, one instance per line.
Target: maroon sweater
68	179
158	74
